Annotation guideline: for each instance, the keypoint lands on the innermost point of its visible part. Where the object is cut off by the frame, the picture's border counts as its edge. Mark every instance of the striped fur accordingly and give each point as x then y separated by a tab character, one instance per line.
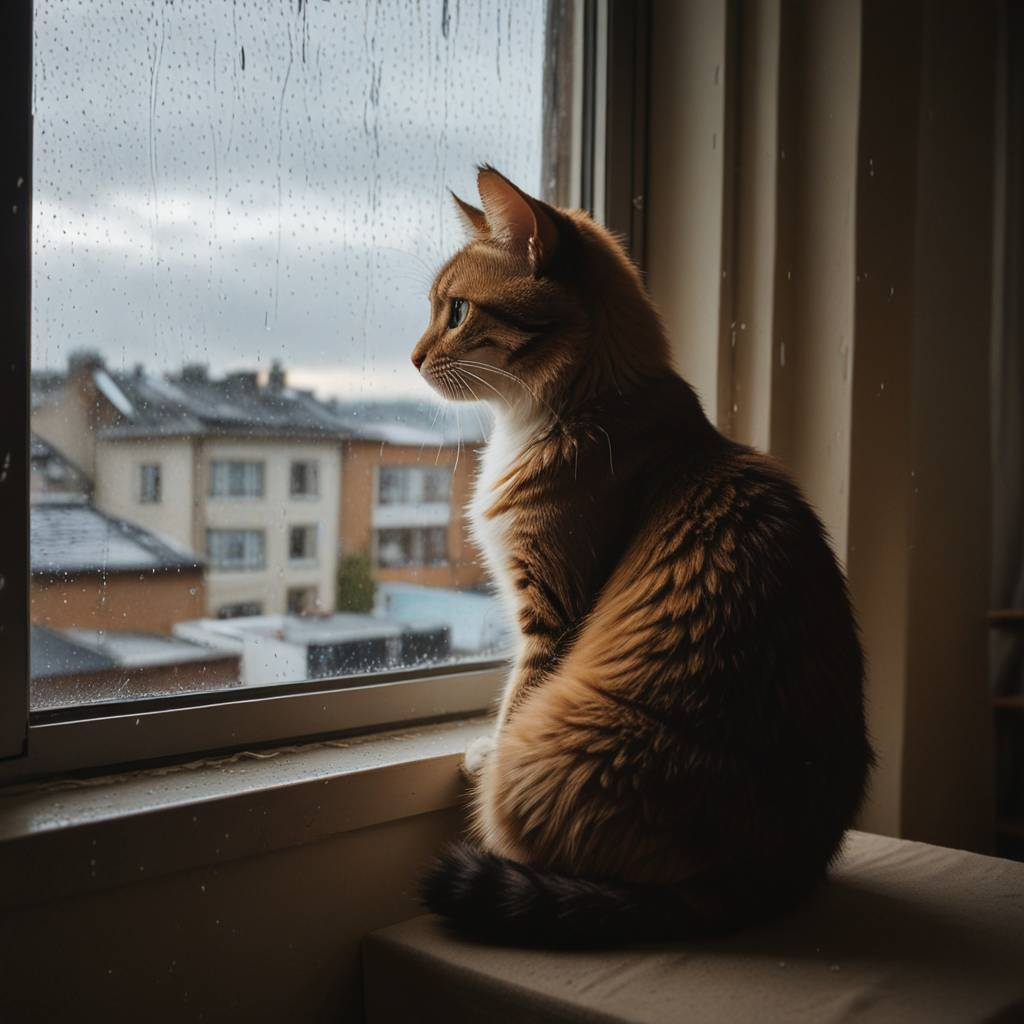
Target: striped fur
681	745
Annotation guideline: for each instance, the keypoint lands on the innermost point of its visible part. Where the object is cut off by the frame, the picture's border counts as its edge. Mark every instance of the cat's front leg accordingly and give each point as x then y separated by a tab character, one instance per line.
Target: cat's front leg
477	754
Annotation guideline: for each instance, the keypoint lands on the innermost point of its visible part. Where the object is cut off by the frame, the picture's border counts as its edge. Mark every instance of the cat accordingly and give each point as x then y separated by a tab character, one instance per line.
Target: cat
681	745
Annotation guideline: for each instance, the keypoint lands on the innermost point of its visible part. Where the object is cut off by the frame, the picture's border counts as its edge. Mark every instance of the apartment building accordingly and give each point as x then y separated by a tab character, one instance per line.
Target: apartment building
406	489
244	472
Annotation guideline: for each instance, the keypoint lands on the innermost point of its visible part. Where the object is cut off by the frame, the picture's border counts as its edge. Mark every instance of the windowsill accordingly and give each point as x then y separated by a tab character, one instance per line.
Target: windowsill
72	836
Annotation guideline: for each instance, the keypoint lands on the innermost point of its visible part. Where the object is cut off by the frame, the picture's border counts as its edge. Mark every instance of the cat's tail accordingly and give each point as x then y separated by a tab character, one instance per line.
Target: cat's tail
502	900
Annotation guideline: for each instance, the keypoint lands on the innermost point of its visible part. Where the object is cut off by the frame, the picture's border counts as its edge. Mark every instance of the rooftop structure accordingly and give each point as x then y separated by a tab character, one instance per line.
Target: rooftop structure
69	536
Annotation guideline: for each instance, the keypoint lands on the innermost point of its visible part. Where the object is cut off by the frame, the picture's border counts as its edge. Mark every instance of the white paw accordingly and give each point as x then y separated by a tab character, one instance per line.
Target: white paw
477	754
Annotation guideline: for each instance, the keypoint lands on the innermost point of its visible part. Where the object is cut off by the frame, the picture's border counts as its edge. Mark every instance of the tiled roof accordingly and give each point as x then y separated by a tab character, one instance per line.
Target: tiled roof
149	406
191	403
72	536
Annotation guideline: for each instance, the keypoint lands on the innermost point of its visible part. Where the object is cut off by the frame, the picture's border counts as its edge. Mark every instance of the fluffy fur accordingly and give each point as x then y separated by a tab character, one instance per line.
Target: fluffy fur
681	744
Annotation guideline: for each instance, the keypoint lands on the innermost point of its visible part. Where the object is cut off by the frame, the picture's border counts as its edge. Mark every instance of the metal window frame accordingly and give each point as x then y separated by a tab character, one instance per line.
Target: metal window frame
607	86
15	286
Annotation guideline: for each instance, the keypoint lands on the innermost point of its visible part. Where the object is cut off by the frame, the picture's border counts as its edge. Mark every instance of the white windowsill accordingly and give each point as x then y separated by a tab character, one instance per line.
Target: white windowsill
62	838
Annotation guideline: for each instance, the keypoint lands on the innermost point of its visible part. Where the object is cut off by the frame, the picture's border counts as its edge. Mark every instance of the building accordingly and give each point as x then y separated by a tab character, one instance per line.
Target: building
289	648
477	623
85	666
406	489
95	571
53	473
248	472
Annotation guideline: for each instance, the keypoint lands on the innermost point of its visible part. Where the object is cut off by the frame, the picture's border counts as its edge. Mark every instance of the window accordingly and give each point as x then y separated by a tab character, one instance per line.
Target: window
305	480
240	610
301	600
155	268
149	484
411	485
302	543
437	484
404	548
236	550
393	485
236	479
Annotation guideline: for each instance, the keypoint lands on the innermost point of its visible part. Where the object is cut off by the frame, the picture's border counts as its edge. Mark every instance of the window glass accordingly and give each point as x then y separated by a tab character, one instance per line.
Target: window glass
231	550
302	543
237	212
149	484
236	479
305	480
437	484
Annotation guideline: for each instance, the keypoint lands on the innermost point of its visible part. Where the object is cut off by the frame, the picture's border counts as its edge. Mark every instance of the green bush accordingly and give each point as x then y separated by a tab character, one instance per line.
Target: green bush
356	587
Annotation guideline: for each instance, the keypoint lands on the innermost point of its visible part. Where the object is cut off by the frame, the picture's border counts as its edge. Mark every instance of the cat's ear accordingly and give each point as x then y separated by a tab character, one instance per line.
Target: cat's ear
473	218
516	219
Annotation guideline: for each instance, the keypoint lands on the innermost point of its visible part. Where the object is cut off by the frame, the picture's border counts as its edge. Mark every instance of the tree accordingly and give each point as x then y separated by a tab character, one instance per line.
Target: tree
356	587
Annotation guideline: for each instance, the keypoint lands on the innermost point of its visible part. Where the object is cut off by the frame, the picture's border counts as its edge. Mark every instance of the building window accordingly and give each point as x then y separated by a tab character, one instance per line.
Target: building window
304	479
301	600
236	550
413	485
149	484
435	546
302	543
392	485
437	484
236	479
242	610
412	548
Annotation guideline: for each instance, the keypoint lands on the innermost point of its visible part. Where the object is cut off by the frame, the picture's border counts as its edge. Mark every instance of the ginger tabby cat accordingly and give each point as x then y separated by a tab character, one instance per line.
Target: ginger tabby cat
681	745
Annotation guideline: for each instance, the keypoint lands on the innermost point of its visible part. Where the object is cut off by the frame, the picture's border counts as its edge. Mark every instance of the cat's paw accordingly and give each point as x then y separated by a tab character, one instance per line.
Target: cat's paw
477	754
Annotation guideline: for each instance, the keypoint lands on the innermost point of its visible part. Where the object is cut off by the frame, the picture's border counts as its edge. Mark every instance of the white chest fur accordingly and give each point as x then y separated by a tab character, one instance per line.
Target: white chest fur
506	443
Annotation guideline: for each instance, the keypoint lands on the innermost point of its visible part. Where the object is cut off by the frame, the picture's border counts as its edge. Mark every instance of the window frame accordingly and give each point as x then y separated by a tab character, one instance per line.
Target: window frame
605	89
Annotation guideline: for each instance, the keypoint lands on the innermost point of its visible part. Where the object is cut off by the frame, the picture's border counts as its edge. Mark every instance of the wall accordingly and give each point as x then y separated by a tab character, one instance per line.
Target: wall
360	460
139	602
270	938
117	484
274	513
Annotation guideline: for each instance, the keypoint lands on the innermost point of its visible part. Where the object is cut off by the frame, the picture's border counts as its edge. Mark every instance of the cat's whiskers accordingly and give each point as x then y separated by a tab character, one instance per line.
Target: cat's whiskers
518	380
488	384
476	398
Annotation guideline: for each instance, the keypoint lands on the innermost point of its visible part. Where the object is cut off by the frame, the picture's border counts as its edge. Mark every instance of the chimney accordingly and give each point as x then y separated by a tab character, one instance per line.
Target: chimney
242	380
84	360
277	378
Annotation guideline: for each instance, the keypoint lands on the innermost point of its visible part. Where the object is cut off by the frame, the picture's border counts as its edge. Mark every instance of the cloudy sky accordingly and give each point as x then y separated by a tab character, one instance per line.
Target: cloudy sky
233	182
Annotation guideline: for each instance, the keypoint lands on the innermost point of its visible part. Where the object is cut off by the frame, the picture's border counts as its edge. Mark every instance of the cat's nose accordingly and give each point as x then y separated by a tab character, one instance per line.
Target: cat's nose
417	359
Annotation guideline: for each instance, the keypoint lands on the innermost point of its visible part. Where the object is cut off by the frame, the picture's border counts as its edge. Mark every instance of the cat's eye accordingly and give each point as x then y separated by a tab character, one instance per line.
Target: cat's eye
459	309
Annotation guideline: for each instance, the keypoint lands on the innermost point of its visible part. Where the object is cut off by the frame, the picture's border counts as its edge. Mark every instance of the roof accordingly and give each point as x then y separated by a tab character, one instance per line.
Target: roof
137	650
415	422
71	536
191	404
54	654
78	651
335	628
